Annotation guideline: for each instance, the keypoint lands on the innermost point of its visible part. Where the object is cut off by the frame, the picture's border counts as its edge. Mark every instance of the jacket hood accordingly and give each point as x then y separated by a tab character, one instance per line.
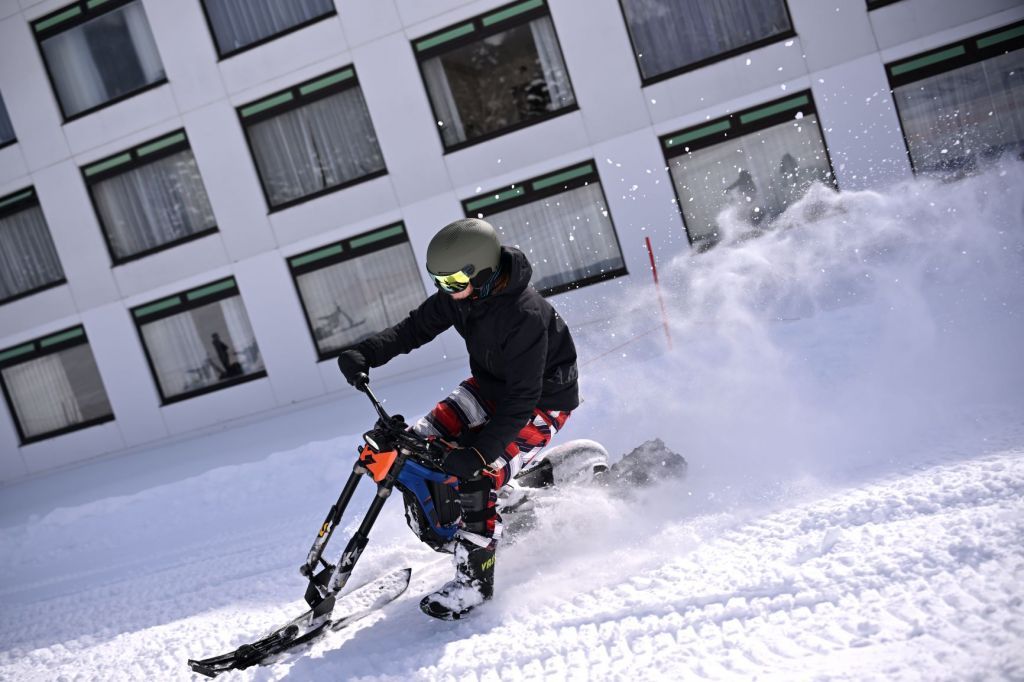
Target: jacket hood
517	265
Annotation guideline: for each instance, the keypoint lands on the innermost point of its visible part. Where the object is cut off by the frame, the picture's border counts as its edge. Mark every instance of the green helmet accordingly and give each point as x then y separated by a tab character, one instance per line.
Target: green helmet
470	246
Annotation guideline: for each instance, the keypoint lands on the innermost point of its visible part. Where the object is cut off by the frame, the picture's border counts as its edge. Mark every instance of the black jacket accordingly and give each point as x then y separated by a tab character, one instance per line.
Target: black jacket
520	350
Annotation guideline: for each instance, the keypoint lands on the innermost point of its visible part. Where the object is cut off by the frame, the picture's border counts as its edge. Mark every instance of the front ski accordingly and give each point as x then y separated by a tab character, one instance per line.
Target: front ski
357	604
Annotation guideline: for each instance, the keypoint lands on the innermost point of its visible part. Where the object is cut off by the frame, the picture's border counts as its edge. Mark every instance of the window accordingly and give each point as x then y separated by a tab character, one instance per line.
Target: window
6	130
199	341
752	164
53	386
873	4
962	106
28	261
357	287
561	222
495	73
314	138
98	53
673	36
238	25
150	198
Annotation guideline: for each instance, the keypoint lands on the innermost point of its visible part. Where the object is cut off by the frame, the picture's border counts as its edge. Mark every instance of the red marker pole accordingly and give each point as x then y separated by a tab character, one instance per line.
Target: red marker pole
657	288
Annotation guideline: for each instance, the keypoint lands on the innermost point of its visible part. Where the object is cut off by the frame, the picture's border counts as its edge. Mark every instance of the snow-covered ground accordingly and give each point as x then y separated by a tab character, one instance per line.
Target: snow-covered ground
848	392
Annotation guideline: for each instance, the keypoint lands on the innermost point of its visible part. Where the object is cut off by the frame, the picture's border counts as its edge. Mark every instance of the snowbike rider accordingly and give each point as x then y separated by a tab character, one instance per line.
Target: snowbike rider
521	392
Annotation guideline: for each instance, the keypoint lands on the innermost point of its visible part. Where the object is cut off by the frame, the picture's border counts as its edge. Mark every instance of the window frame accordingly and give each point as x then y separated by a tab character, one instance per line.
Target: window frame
18	201
553	183
875	4
332	253
735	52
949	57
221	56
39	347
13	140
138	156
183	302
733	126
523	12
84	14
268	106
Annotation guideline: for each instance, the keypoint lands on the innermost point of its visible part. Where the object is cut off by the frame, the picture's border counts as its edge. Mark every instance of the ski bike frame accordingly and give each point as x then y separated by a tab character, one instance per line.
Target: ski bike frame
392	455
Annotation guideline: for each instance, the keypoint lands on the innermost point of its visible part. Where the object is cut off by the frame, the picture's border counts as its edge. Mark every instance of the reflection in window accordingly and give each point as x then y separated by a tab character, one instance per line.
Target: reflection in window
357	287
28	260
237	24
752	165
150	197
96	56
502	76
561	222
969	113
6	129
671	36
199	341
312	139
53	385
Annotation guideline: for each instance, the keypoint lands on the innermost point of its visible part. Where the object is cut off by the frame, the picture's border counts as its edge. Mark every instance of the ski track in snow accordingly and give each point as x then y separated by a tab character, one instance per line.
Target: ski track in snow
915	576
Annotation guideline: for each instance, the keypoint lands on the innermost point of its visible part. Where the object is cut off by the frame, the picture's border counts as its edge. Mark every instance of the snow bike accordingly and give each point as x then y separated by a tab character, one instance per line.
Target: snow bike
393	456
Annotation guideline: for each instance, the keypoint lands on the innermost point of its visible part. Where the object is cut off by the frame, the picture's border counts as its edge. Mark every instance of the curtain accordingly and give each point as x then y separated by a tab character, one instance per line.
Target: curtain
28	259
671	35
953	121
43	397
553	67
103	58
6	129
444	101
325	143
237	23
568	237
153	205
178	355
348	301
758	174
240	335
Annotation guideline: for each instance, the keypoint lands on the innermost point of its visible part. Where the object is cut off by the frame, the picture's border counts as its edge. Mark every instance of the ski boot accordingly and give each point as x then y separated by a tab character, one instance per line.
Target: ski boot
473	584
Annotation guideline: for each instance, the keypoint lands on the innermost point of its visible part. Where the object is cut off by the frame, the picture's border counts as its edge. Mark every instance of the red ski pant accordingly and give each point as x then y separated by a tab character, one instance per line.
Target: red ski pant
466	411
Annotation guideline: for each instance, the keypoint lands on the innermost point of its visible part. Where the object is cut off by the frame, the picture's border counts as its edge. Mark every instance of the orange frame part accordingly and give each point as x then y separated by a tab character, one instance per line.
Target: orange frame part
378	463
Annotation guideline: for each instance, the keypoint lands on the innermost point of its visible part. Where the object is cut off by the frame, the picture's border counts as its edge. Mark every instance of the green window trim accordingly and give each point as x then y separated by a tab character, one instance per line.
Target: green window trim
346	249
314	256
1001	37
156	307
150	147
928	60
61	336
447	36
376	236
772	109
298	92
698	133
60	18
564	176
17	197
513	11
17	351
496	197
210	289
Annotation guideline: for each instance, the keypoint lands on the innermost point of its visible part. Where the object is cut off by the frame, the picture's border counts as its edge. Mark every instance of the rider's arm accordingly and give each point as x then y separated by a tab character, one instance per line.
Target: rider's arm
434	316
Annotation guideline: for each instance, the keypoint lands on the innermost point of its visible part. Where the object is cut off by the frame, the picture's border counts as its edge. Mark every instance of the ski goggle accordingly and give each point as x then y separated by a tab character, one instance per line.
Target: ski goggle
453	283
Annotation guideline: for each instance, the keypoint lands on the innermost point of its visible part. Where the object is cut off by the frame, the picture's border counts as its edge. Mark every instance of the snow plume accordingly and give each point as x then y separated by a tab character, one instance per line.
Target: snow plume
861	327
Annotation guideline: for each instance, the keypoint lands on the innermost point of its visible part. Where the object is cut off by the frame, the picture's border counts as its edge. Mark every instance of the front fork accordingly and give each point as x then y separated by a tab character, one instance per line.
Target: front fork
324	585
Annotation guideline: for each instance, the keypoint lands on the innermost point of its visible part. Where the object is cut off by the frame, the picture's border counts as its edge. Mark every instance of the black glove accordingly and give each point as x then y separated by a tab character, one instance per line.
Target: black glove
352	363
464	463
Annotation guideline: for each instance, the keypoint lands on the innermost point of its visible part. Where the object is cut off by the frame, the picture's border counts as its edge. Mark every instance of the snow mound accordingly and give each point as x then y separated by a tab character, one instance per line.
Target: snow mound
648	463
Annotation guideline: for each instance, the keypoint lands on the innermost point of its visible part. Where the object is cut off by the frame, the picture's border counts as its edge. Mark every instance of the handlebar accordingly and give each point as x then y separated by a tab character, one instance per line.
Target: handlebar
398	429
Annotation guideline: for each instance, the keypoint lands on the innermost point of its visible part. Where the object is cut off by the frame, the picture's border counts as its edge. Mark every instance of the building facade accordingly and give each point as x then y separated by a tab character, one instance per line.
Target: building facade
203	201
